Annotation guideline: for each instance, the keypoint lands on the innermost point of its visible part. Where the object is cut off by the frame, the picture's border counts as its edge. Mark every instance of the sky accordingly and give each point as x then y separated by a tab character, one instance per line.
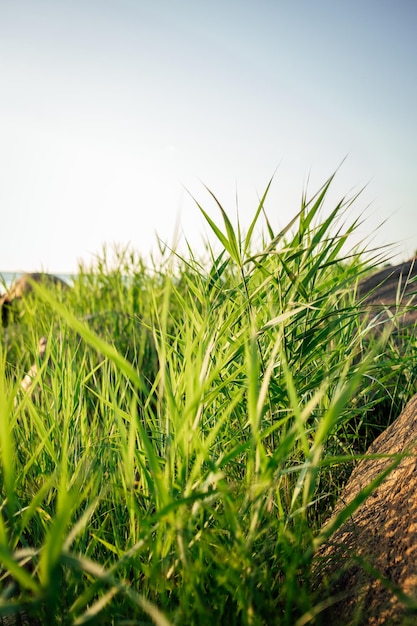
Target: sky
115	115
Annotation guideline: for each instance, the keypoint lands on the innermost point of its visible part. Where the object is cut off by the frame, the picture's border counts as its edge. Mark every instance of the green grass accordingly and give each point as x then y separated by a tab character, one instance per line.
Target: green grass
190	427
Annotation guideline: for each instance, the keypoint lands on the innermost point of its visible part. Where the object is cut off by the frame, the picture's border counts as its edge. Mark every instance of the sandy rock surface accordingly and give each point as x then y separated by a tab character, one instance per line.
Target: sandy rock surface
369	565
392	290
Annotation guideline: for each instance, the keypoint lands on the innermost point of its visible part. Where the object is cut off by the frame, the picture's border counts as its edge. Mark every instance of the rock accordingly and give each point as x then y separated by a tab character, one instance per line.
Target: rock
391	290
22	286
367	570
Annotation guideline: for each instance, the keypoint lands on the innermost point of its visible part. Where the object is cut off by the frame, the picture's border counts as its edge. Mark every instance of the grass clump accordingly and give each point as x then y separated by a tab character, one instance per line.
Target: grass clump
188	429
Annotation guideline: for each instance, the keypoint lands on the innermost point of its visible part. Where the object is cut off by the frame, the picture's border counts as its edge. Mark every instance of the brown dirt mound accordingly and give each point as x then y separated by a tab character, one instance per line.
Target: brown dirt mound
368	568
392	291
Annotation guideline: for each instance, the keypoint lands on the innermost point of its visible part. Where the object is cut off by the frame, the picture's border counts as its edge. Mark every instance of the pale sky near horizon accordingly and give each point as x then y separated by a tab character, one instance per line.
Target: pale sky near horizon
113	112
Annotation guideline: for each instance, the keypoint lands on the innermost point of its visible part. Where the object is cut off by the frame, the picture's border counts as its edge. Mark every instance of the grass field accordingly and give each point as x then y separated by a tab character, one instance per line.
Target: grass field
190	427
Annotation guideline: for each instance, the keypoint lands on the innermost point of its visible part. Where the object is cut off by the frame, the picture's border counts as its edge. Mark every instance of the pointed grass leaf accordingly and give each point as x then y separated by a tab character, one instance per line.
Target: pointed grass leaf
234	248
252	225
220	236
313	206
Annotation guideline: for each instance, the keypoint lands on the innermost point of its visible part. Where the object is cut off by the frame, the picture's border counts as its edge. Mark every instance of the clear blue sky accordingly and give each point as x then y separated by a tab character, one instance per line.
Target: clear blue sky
110	109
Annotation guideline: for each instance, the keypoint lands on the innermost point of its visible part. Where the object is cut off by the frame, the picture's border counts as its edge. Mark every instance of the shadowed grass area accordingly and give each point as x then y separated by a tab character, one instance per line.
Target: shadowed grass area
190	427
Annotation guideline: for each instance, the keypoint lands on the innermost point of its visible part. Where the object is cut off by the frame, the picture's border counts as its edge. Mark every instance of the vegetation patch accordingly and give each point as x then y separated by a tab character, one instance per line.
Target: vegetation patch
190	426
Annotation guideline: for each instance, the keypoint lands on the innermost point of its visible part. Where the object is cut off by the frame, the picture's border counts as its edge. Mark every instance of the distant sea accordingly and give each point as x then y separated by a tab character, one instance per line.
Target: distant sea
7	278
